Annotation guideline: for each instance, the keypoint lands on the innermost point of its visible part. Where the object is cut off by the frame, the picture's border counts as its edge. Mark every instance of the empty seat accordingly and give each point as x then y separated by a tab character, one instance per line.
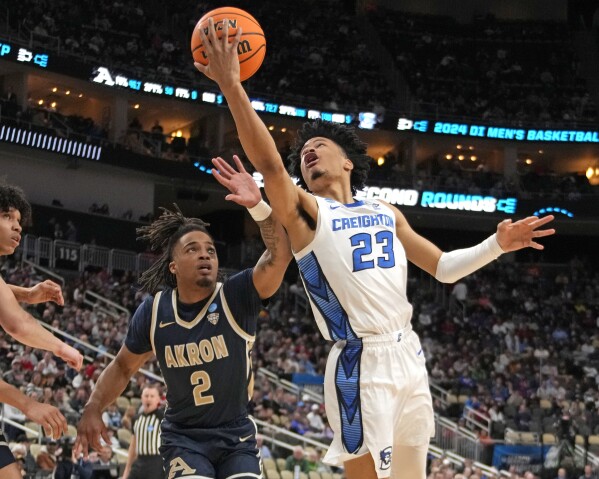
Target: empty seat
122	402
528	438
281	464
269	463
272	474
135	402
594	443
35	427
124	437
35	449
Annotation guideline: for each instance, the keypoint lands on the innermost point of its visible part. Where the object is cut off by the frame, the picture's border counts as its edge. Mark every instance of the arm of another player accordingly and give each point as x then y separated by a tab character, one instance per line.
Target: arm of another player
451	266
47	416
131	456
40	293
27	330
223	68
270	268
111	383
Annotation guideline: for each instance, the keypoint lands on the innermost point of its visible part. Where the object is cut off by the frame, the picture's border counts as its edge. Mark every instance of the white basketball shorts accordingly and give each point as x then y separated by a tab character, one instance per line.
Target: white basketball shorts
377	396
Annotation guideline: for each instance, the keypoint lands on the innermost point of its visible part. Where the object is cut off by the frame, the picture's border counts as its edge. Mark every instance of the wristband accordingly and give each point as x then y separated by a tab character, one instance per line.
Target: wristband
261	211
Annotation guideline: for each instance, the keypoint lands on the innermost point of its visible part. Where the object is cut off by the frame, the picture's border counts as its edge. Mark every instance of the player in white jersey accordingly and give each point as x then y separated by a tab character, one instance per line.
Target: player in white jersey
352	258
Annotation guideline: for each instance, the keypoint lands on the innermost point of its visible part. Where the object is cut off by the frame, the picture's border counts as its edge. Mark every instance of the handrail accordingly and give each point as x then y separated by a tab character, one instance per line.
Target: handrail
448	423
590	457
433	450
38	435
18	425
479	417
42	248
102	299
289	386
315	396
441	393
46	271
459	460
98	350
300	438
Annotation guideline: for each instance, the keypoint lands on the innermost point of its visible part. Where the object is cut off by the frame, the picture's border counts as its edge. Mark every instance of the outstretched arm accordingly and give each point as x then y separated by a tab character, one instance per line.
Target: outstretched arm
47	416
25	328
223	68
451	266
270	269
110	385
40	293
509	237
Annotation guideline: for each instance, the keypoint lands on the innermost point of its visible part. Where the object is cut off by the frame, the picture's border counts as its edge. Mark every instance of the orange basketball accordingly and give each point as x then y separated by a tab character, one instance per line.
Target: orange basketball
252	46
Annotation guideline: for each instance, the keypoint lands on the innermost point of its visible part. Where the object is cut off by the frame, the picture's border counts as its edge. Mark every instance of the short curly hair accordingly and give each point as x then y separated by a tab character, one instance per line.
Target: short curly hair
342	135
14	197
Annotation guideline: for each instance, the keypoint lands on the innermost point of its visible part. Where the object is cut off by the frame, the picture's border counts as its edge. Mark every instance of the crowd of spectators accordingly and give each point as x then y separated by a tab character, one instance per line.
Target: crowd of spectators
476	178
489	69
492	70
519	336
507	337
435	174
135	37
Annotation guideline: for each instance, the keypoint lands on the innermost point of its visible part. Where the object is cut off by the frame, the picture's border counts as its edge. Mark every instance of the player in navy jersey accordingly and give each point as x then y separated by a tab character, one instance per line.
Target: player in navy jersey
202	332
15	211
352	256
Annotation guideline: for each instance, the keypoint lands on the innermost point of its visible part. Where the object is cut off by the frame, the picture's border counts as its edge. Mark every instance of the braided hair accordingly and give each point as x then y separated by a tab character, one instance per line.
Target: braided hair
342	135
14	197
163	235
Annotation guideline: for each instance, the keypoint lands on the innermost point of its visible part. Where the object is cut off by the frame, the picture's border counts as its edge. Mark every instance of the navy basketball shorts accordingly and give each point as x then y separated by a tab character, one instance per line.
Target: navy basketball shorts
211	453
6	457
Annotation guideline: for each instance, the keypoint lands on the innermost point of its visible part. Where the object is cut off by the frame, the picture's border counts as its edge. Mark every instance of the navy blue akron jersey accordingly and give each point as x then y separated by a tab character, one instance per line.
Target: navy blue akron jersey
203	351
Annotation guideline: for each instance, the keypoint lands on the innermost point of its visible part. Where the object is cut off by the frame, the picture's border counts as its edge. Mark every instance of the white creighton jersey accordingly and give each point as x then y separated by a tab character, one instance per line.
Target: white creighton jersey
355	271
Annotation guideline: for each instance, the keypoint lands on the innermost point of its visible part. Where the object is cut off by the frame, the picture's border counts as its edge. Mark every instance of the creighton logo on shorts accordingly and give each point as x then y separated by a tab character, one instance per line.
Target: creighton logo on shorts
212	317
385	458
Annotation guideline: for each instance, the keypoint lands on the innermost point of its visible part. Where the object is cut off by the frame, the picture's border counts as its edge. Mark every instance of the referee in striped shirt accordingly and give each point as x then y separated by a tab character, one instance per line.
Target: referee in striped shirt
144	460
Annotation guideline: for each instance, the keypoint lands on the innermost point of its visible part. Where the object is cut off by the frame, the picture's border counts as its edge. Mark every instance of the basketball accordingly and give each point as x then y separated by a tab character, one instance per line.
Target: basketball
252	45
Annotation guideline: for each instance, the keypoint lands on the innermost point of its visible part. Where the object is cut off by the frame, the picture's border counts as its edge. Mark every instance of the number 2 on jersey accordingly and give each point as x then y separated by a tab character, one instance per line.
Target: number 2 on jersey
363	244
202	379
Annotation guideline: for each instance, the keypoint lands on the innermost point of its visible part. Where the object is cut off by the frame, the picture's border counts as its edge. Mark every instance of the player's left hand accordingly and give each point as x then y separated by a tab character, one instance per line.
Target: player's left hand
240	183
45	291
523	233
